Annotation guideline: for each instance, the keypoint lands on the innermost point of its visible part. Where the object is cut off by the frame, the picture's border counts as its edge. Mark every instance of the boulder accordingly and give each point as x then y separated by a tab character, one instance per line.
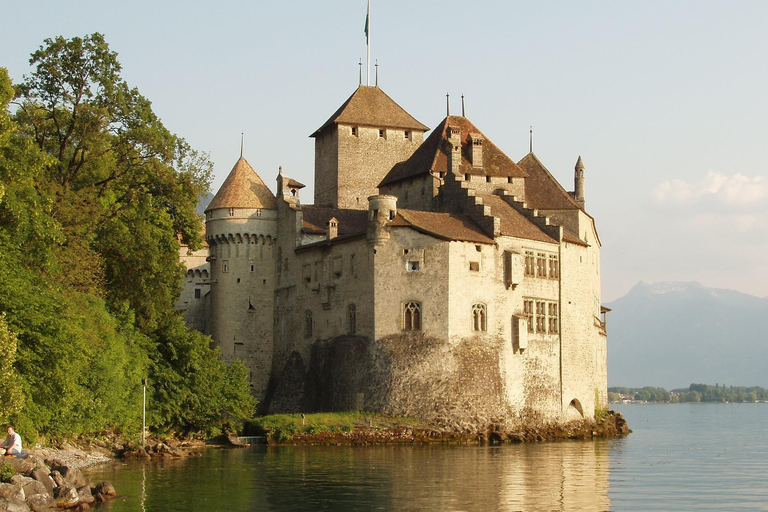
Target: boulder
43	475
105	489
40	502
72	475
66	497
85	495
25	466
30	485
13	505
11	491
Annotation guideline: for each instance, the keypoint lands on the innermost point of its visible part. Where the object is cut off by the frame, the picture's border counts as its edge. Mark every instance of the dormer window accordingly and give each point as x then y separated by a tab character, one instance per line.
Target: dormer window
407	134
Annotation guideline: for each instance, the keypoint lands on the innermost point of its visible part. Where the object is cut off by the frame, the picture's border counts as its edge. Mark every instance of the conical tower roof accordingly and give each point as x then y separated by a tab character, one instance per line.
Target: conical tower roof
370	106
243	188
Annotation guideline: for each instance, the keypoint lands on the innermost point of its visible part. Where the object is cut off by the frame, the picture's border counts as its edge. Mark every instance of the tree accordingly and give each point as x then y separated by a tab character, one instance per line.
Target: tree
96	195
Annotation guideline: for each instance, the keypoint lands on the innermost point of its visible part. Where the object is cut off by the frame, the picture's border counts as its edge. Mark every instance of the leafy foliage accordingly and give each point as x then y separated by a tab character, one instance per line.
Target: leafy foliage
95	196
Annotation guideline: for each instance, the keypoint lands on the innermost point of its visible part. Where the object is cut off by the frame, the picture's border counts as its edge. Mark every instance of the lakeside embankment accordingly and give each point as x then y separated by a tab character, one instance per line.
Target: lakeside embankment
373	429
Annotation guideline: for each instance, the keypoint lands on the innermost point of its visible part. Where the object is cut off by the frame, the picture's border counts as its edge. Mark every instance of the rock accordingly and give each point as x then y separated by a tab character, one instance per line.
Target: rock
13	505
29	485
105	489
42	475
11	491
85	495
66	497
23	466
58	480
72	475
40	502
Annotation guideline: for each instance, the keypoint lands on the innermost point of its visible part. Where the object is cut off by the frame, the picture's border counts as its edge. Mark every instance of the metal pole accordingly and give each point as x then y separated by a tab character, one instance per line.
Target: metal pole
368	44
144	414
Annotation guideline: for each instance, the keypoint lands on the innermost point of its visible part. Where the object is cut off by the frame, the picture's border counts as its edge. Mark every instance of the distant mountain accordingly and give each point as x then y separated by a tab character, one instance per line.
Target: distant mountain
673	334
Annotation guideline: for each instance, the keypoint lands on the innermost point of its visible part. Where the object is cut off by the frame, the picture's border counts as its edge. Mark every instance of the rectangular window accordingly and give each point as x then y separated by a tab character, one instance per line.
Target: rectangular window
552	317
474	266
541	316
354	131
541	265
381	134
528	310
413	266
554	269
530	269
197	293
352	264
306	272
225	266
507	269
407	134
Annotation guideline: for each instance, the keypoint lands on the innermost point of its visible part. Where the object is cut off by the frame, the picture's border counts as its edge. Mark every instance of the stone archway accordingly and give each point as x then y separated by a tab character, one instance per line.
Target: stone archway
574	411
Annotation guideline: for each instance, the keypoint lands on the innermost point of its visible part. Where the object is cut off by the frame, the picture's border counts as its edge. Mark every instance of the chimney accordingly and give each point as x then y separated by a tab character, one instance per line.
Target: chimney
476	155
454	144
333	229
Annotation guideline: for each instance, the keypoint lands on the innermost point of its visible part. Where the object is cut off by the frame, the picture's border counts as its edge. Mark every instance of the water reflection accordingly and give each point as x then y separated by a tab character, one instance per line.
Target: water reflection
552	476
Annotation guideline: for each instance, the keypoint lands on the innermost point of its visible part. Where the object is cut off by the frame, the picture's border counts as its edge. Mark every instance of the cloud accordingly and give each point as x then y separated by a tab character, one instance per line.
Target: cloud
735	190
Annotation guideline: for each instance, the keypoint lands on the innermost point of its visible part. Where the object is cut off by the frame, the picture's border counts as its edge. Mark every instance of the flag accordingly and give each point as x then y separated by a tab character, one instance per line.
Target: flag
367	16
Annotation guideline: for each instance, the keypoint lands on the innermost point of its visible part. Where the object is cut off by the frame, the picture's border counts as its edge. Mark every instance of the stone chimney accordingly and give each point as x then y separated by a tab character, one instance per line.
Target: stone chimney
332	230
476	155
454	145
578	182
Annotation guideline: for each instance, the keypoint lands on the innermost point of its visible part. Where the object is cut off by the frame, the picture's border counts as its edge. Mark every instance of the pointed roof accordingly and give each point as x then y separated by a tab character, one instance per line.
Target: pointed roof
243	188
430	156
579	164
542	190
370	106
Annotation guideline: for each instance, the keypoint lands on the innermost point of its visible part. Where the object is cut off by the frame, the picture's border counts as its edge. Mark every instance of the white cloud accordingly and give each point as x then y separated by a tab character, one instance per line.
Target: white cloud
735	190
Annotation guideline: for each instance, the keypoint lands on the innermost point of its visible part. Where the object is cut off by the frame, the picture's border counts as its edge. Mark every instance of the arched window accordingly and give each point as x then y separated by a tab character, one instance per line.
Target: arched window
412	316
479	317
351	319
308	324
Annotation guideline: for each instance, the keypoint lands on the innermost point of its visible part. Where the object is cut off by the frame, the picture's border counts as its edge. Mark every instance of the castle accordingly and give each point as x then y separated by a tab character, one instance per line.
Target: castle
434	278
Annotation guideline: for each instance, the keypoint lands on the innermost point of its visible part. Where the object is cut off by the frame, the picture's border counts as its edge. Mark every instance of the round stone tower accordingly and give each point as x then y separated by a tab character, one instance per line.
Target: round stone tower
241	226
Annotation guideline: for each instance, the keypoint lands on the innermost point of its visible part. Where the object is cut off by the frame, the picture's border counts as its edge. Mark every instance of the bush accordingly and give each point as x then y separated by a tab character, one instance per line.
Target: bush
6	472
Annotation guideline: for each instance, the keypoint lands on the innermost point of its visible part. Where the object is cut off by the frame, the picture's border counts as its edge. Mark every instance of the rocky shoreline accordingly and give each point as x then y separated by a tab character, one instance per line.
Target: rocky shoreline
611	425
51	479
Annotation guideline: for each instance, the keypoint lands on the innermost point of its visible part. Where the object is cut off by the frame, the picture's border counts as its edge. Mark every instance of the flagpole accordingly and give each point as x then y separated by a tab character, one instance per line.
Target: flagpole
368	44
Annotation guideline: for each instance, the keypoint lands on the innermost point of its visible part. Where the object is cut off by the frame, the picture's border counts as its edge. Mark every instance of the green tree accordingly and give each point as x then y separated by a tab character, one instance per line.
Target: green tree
10	383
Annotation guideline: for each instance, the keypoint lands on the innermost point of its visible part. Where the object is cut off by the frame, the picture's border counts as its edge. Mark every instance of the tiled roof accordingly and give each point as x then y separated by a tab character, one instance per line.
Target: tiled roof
370	106
447	226
430	156
542	190
243	188
350	221
514	223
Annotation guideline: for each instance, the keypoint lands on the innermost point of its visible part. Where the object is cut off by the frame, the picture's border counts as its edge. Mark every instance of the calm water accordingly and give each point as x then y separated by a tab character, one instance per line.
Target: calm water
680	457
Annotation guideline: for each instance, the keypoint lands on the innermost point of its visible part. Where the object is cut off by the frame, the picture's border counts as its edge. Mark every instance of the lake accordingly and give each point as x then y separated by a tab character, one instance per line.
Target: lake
680	457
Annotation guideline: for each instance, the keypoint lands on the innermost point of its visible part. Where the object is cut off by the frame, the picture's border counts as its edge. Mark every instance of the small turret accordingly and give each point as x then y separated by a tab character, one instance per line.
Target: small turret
578	182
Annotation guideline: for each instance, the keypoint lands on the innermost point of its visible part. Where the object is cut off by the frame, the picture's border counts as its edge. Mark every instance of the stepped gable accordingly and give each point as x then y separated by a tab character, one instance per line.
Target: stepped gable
514	223
370	106
243	188
431	157
351	222
542	190
446	226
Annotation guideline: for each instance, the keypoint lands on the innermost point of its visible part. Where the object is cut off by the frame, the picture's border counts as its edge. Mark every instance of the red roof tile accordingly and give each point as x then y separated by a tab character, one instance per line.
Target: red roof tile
542	190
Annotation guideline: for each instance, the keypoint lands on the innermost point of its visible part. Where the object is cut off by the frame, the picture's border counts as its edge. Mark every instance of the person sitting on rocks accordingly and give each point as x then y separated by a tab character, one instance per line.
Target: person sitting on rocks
12	443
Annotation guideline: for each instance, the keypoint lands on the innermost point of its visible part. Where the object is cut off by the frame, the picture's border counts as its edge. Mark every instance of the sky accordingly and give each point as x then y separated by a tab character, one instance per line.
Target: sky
666	102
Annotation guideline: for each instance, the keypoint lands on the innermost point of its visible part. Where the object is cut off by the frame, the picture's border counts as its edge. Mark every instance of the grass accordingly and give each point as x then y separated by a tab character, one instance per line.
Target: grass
282	427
